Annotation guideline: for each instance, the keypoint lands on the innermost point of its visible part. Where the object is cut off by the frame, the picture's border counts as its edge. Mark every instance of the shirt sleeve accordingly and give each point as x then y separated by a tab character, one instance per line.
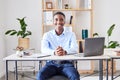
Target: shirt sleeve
73	46
45	45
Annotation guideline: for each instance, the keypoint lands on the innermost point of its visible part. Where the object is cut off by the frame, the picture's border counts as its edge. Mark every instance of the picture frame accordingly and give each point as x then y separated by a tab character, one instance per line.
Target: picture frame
49	5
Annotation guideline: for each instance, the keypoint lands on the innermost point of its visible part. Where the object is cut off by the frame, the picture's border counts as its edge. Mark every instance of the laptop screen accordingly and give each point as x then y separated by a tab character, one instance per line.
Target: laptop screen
94	46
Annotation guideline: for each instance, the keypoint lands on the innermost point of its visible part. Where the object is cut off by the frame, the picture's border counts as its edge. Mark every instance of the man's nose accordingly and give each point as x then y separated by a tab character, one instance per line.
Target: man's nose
59	22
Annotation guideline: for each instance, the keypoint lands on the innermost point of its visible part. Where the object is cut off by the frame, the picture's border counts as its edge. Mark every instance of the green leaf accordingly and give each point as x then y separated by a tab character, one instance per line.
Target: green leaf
95	34
29	32
13	33
9	32
105	46
22	32
109	32
113	44
19	33
22	23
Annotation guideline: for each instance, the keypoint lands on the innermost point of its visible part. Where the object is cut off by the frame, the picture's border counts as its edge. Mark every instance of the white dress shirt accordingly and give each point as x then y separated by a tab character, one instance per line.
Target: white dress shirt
67	40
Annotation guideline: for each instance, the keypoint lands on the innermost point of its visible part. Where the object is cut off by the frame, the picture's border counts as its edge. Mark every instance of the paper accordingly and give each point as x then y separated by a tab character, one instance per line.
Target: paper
37	55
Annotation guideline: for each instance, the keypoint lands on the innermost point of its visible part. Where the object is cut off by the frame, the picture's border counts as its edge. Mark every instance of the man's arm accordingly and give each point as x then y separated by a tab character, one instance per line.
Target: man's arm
73	48
45	48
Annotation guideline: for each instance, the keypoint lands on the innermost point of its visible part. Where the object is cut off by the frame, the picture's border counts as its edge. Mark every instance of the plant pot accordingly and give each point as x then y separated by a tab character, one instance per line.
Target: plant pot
23	42
110	51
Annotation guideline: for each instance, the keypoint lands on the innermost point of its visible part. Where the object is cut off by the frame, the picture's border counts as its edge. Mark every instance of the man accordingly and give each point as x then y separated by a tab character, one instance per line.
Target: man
59	42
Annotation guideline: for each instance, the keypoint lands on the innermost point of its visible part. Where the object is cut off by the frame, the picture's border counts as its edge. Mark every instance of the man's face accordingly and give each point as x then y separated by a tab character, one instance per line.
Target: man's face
59	21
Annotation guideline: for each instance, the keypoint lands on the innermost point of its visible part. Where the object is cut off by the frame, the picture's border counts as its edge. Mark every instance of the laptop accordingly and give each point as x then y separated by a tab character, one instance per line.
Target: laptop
93	47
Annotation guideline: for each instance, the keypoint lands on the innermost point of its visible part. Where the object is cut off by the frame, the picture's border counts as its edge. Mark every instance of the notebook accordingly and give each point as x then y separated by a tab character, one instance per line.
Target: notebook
93	47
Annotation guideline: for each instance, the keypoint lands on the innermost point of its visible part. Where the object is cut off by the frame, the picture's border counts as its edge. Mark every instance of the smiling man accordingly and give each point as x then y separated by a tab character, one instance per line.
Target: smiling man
59	42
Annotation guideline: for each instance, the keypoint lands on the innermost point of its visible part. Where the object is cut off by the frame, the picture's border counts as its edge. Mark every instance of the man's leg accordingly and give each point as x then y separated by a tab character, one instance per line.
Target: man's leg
46	72
71	72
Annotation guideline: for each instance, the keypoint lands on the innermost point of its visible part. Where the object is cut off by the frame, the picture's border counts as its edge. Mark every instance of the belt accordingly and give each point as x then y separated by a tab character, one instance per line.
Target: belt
61	62
64	62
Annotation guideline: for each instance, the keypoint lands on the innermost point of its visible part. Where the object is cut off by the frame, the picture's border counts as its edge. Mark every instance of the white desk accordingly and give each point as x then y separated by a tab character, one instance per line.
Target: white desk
15	58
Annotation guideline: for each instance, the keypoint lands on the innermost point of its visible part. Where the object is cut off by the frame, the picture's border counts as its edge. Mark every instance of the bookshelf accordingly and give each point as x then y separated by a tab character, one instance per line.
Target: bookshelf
79	16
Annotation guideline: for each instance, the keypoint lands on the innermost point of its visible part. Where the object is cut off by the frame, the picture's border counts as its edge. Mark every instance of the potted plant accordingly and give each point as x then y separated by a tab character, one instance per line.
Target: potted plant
23	41
110	44
110	47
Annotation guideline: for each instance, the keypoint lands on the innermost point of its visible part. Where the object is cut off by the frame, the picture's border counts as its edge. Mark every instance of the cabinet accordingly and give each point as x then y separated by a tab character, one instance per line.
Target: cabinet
79	16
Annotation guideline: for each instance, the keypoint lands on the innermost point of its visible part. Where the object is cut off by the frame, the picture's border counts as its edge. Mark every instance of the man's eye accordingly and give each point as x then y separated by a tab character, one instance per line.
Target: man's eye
56	19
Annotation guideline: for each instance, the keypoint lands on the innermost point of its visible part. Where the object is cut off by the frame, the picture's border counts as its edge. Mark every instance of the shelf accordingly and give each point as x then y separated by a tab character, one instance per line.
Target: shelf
79	16
67	9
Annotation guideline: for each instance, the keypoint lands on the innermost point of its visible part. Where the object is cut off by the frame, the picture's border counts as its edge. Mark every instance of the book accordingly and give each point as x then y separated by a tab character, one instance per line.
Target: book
48	20
60	4
80	47
71	17
87	4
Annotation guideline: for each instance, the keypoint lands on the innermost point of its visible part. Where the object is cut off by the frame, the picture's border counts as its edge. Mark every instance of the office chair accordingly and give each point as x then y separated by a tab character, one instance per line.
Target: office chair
58	77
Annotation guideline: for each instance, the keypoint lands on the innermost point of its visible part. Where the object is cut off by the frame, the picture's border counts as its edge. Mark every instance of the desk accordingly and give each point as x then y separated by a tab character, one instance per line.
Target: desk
112	66
15	58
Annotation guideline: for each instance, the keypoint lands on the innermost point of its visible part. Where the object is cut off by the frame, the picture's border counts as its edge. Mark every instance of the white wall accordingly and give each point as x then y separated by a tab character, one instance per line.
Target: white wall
12	9
2	39
106	13
2	53
31	9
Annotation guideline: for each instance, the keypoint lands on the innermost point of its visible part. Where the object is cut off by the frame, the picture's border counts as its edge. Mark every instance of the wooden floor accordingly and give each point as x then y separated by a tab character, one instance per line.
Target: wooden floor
32	76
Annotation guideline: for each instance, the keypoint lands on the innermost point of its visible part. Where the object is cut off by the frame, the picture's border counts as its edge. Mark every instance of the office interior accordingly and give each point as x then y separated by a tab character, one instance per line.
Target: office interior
105	13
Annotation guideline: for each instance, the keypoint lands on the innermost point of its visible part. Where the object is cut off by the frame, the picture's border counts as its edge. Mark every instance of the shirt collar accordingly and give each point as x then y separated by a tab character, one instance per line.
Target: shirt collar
55	32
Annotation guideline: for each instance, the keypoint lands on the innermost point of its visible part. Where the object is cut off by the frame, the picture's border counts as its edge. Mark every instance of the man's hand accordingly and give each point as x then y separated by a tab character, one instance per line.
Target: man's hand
60	51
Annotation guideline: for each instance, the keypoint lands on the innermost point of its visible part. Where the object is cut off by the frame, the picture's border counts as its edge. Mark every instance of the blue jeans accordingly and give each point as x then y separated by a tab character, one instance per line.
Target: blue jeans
66	69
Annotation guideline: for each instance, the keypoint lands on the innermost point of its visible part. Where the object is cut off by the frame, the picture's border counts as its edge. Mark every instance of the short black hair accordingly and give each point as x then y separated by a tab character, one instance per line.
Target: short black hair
61	13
